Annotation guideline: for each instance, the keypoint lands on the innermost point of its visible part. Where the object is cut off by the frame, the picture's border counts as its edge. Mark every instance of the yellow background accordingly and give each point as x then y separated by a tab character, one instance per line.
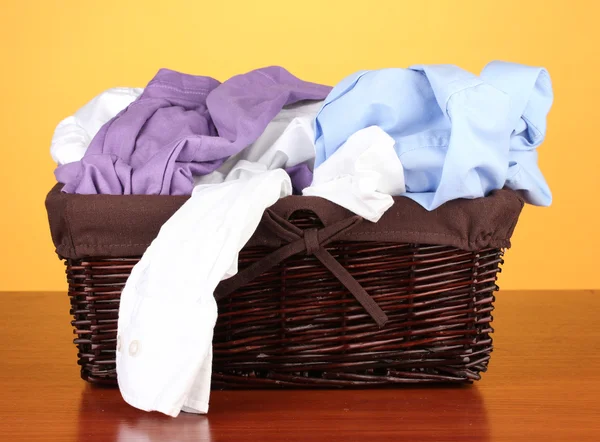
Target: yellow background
56	55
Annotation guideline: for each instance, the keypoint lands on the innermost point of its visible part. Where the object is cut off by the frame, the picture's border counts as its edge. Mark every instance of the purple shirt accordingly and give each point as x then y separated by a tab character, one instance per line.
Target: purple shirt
181	126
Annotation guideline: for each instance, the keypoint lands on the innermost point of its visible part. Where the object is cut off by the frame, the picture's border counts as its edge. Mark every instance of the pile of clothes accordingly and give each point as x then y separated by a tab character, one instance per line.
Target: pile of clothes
430	133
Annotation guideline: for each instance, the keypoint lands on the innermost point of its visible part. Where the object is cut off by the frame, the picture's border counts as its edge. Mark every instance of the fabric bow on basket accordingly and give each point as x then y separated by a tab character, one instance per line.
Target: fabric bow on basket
312	241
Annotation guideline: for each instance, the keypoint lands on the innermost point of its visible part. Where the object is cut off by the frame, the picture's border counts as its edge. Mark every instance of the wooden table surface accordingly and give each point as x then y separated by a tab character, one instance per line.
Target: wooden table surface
543	385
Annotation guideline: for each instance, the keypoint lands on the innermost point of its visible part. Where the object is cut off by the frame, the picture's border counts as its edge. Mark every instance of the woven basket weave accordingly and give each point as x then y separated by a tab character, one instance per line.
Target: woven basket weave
296	325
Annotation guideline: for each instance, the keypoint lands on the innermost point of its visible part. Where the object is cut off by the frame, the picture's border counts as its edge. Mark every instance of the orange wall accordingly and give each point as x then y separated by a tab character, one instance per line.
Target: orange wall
55	58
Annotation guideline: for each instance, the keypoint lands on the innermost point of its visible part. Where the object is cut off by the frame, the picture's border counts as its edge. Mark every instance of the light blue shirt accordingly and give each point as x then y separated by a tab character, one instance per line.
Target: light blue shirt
457	135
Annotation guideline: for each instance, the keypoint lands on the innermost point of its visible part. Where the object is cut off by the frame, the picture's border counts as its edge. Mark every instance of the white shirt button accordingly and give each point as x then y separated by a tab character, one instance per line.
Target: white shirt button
118	343
134	348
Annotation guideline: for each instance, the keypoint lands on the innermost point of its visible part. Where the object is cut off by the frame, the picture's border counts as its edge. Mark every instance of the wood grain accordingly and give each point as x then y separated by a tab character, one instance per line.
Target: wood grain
543	384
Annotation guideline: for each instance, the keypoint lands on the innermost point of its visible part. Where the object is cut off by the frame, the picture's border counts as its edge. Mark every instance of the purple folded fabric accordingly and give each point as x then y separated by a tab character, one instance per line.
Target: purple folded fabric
182	126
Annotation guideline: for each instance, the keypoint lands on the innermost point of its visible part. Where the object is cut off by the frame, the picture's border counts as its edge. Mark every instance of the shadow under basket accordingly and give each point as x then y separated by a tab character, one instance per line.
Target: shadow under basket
297	325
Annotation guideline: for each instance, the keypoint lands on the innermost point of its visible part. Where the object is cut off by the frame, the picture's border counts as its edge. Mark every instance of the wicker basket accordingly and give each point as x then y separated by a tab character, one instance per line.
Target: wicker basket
297	324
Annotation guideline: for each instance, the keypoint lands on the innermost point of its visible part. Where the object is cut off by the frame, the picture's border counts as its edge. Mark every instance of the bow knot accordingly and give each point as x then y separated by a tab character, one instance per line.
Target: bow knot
312	241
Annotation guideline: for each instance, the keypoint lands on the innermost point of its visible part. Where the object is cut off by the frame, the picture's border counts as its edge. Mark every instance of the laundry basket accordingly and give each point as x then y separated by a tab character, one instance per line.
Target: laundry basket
322	298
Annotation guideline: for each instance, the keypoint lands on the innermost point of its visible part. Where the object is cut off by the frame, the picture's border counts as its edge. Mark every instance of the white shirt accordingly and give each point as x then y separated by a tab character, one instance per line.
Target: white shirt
168	311
74	134
362	175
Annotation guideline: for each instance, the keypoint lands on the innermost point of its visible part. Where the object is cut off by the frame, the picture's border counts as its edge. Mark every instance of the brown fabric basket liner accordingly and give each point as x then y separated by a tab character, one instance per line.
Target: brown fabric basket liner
117	226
